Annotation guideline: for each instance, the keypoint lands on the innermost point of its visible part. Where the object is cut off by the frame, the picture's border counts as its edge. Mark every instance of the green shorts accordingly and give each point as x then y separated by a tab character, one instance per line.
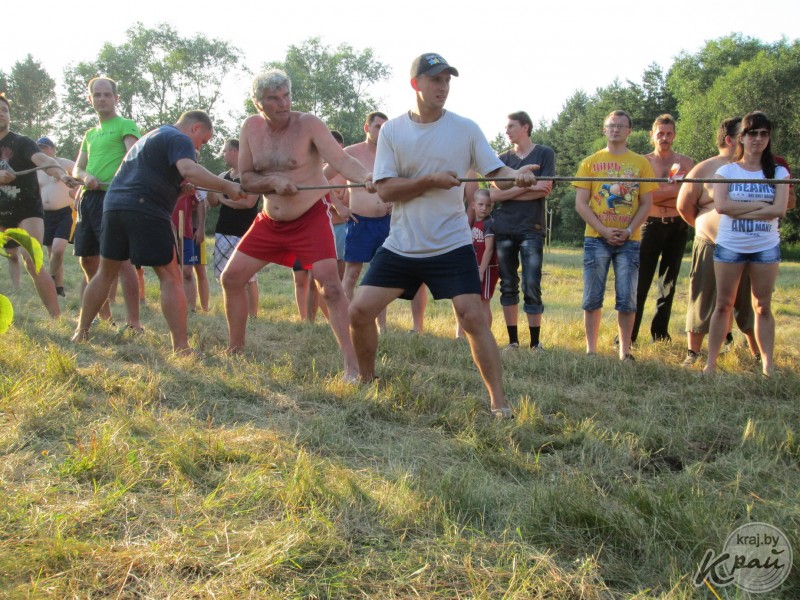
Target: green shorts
703	292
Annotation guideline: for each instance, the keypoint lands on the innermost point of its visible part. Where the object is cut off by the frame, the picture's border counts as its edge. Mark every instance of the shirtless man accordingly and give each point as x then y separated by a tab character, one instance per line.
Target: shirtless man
58	201
664	234
281	151
696	206
368	222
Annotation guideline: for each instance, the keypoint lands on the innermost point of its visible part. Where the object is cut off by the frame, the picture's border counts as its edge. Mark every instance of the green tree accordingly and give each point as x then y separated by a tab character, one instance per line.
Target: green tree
767	79
33	93
500	143
160	75
333	83
693	74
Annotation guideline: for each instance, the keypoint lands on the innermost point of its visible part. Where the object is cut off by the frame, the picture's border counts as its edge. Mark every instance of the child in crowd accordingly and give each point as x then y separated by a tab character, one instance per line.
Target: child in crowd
483	242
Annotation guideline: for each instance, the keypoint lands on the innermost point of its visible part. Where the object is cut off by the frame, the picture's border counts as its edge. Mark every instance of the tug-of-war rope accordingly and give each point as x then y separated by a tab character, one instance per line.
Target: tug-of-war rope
557	178
553	178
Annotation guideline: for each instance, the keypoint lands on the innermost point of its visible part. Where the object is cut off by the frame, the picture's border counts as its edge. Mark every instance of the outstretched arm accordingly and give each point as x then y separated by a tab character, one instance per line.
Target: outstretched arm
201	177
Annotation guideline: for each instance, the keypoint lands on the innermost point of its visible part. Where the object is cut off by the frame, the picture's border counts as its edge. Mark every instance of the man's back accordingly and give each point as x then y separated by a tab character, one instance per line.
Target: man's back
149	172
361	201
707	219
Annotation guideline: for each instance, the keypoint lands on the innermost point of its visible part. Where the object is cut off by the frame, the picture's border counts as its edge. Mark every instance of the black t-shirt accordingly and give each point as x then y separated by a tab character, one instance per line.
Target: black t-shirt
516	217
148	180
15	152
235	221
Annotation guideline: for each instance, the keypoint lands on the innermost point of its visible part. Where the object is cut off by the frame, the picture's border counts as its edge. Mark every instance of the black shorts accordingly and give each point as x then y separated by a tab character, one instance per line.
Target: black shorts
57	224
447	275
146	240
17	214
90	223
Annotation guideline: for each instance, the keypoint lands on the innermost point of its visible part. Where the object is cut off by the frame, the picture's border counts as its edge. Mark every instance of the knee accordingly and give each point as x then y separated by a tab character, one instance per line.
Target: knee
723	307
230	280
333	292
762	307
360	315
351	276
472	318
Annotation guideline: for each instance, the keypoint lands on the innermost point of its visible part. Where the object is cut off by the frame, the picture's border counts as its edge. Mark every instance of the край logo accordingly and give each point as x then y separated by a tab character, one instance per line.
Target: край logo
756	557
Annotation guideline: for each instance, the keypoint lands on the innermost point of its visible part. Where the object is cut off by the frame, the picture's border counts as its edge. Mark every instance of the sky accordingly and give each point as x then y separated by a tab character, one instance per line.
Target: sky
532	57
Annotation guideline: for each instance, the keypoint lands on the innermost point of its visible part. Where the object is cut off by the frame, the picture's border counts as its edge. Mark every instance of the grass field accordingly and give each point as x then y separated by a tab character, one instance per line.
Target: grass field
127	472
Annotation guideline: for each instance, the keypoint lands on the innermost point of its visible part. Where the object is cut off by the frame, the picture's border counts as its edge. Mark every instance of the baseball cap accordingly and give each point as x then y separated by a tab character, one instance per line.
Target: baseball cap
430	64
45	141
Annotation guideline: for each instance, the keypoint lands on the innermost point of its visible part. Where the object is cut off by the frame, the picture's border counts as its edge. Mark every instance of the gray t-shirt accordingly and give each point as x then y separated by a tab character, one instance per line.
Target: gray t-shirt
435	222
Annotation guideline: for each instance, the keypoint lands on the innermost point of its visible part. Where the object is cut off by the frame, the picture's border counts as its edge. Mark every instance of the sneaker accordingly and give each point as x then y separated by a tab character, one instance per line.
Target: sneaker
727	345
537	348
757	359
691	358
512	345
628	358
60	291
615	343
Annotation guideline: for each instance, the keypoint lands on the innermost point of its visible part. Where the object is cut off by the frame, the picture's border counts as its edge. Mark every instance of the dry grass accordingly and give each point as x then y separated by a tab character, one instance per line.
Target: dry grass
128	472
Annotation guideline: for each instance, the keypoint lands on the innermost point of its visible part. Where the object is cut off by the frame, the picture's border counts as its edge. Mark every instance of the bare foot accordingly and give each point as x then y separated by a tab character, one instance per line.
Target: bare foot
351	377
80	335
188	352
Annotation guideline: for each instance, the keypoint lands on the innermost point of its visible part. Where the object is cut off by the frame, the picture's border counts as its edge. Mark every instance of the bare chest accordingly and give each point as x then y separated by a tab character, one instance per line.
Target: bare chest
661	166
282	152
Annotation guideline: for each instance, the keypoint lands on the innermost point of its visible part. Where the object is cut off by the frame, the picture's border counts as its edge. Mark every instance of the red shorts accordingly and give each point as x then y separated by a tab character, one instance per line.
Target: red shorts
308	239
489	282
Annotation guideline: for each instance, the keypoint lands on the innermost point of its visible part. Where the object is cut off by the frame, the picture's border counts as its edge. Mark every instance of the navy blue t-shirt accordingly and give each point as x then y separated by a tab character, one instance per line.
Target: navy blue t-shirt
148	180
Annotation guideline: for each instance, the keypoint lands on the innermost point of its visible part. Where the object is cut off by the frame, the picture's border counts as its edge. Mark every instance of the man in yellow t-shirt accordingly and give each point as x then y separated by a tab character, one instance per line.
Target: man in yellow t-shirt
613	213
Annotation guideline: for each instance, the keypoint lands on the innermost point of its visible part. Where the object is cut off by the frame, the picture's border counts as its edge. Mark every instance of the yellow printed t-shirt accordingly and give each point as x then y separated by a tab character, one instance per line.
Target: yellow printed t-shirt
615	204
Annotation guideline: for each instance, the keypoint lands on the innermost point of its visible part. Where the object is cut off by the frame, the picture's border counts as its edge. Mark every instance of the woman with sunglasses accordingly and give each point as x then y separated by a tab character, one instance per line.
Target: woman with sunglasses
748	236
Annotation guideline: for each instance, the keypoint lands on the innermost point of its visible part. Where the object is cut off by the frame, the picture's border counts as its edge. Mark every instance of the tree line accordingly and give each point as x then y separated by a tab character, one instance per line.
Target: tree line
161	74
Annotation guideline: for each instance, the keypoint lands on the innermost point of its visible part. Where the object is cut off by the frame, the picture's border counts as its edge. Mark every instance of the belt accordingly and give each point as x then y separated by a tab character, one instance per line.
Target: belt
664	220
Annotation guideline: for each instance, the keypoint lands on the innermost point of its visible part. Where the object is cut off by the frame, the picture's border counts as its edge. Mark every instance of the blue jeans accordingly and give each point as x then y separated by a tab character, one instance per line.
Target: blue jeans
598	254
530	248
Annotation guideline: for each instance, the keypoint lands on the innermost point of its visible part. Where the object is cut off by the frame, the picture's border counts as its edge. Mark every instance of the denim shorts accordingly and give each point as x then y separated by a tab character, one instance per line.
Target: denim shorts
773	255
598	255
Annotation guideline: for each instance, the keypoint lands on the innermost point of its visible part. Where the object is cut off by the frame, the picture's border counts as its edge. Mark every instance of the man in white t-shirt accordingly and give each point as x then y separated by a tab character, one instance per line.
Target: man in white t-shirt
420	157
